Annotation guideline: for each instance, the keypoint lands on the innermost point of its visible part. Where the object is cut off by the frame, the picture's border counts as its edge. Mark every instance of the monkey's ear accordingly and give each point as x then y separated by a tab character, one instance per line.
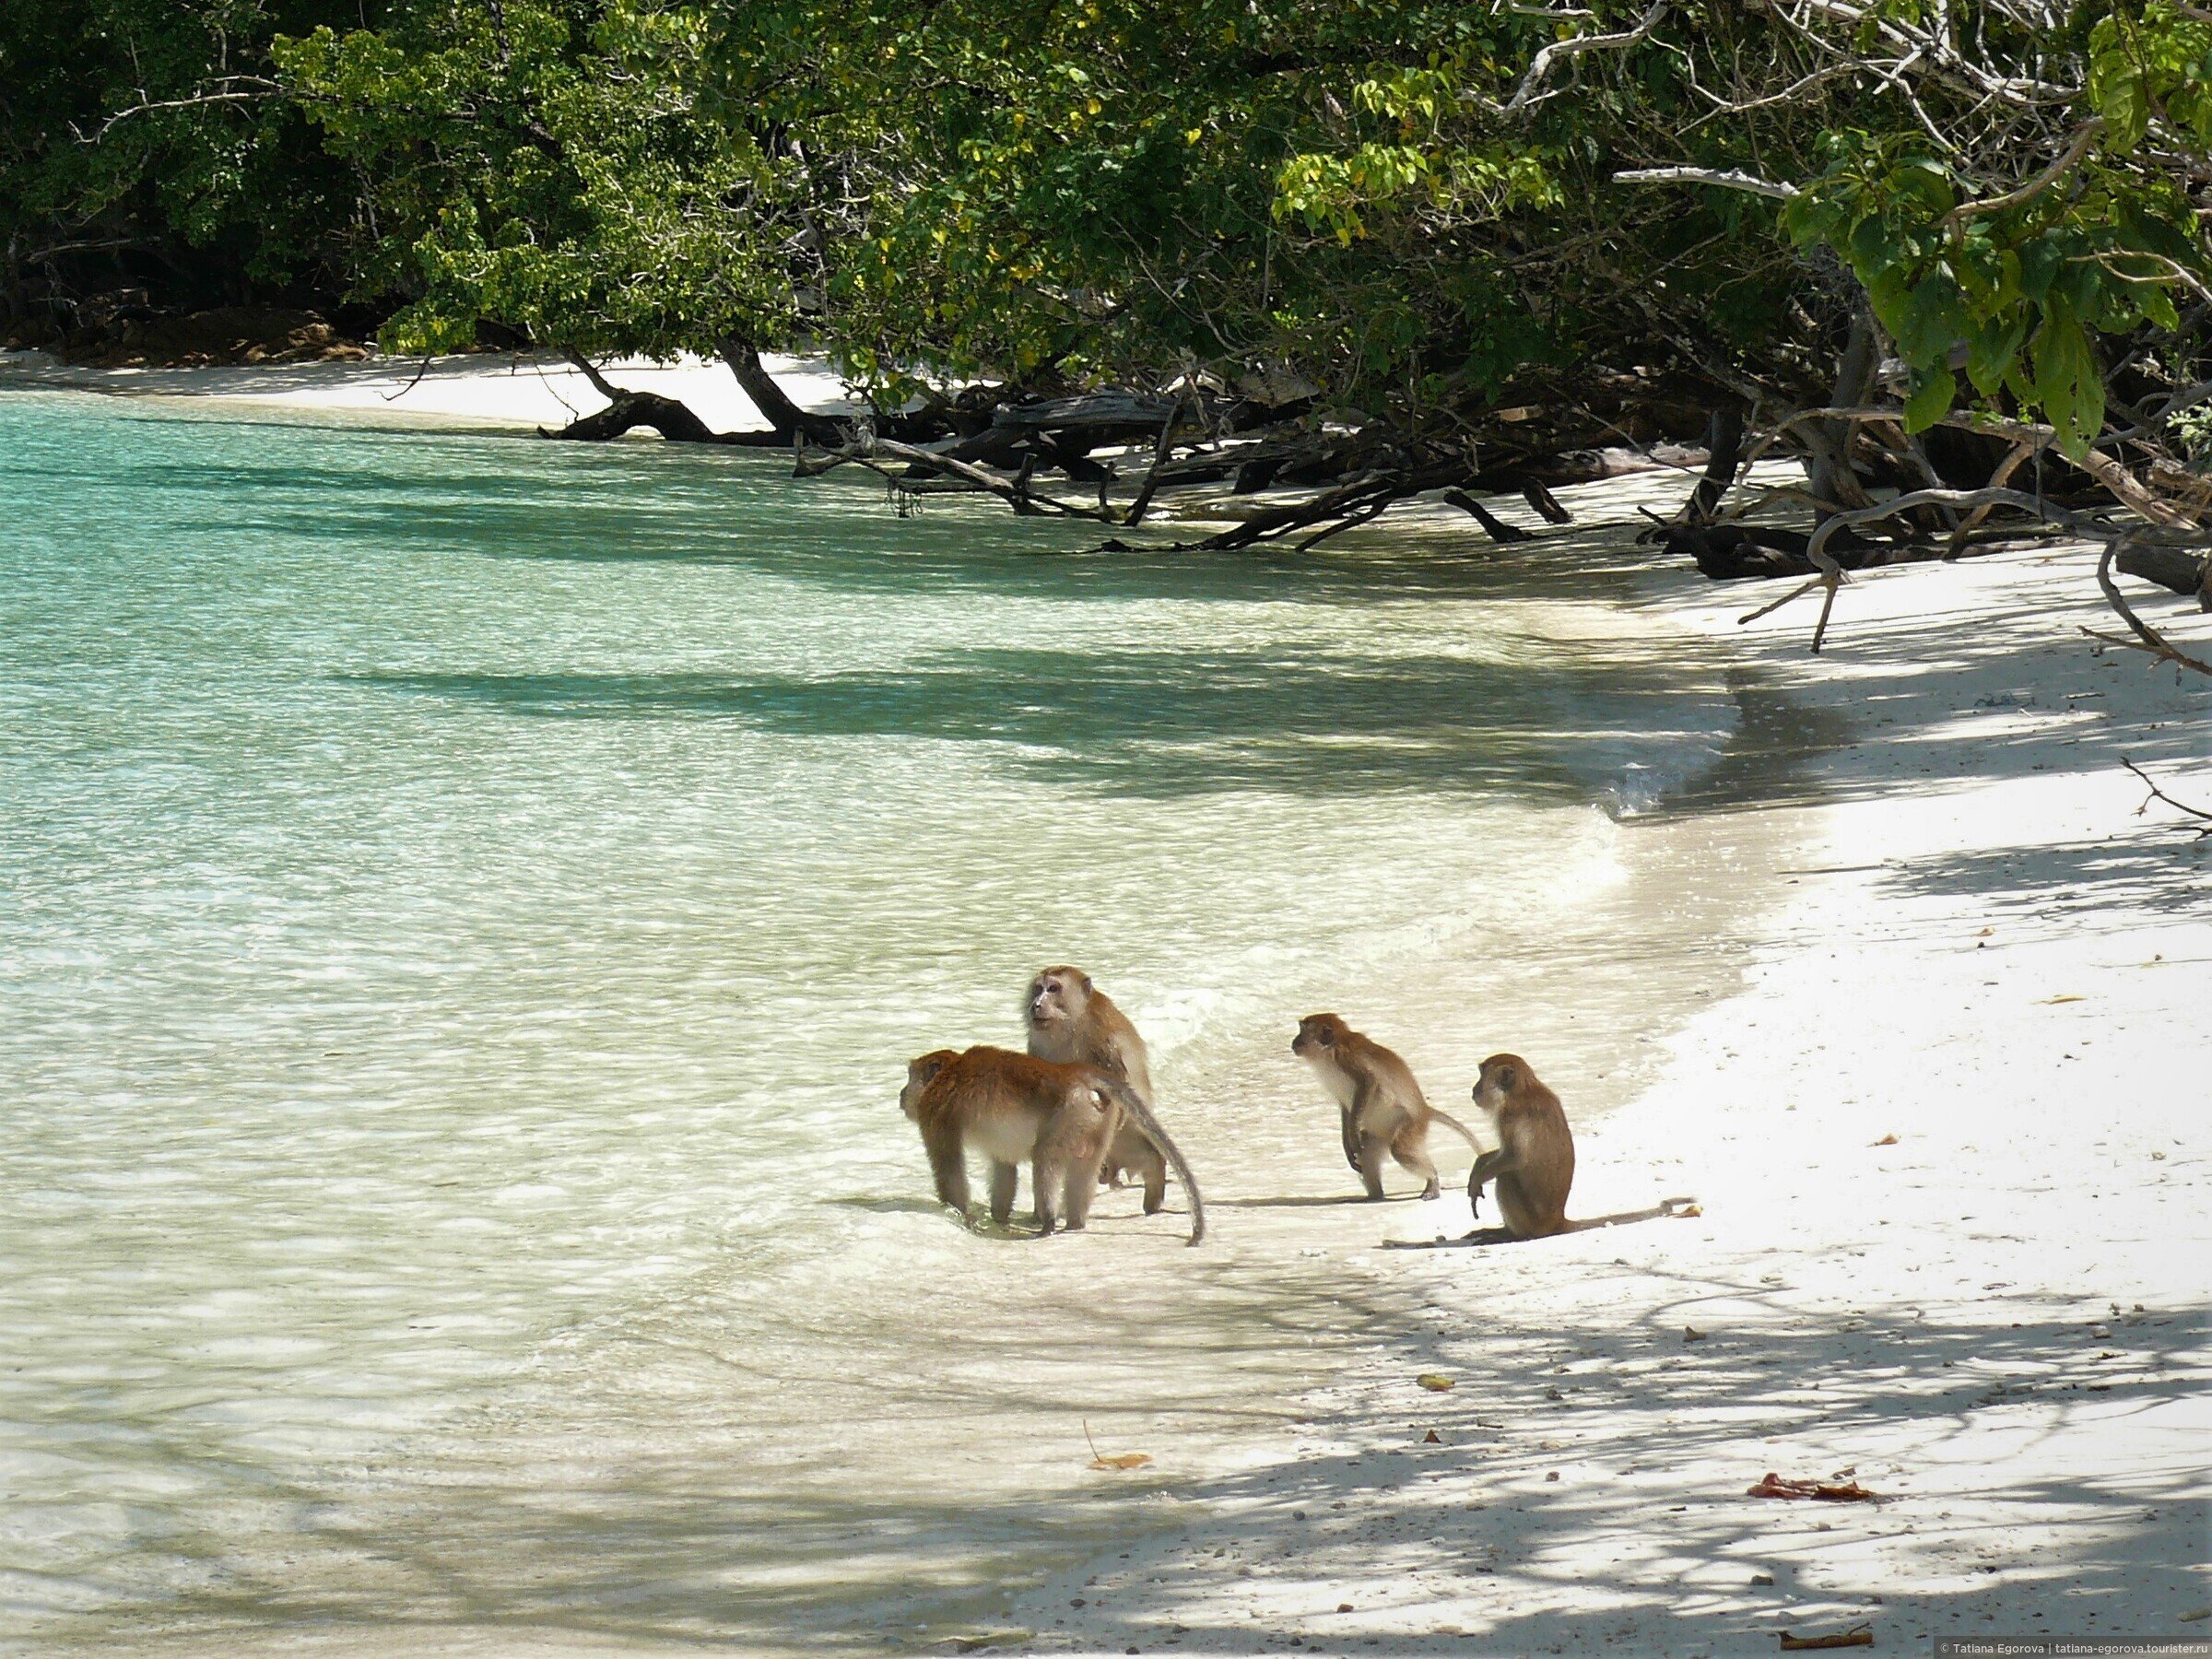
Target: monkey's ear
1508	1078
1086	979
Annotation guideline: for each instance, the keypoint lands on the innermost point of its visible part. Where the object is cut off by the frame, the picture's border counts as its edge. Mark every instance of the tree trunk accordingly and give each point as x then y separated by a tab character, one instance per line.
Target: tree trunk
670	418
2168	567
782	414
1827	443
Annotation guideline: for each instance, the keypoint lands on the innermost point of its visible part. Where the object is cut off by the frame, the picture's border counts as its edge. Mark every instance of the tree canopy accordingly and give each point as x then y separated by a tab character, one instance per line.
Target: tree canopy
1425	214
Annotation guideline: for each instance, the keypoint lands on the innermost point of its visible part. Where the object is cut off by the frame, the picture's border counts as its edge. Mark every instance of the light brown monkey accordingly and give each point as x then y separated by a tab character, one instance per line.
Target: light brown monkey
1016	1107
1071	1020
1383	1109
1534	1165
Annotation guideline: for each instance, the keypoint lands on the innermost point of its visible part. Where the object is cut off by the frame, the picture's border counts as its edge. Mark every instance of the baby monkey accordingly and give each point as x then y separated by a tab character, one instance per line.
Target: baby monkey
1384	1111
1534	1165
1016	1108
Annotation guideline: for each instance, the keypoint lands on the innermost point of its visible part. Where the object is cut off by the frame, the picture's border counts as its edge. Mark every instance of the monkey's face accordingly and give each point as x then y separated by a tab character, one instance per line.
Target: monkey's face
1057	994
1501	1076
1316	1037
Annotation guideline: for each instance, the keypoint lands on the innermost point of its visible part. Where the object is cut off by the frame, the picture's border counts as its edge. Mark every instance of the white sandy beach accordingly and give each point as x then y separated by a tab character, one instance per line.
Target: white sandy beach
1948	1139
485	389
1949	1142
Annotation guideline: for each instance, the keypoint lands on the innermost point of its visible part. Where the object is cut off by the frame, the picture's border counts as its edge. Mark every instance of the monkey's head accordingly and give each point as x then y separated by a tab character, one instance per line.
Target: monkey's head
1058	995
1318	1035
919	1075
1502	1076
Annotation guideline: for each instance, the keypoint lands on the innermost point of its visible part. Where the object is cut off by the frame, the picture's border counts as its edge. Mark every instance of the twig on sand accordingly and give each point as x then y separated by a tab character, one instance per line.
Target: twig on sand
2159	795
1857	1636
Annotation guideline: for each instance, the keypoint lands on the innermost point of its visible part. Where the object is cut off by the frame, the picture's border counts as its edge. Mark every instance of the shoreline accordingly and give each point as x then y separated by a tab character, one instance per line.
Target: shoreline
1195	1355
1570	1356
480	391
1992	1319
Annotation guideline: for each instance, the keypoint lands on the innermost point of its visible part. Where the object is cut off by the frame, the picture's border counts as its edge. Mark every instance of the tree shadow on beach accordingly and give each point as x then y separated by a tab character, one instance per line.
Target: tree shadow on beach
1646	1445
638	1508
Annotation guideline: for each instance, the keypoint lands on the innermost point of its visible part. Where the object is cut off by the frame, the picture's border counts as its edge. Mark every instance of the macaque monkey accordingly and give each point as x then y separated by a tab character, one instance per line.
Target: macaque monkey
1072	1021
1015	1109
1534	1164
1384	1111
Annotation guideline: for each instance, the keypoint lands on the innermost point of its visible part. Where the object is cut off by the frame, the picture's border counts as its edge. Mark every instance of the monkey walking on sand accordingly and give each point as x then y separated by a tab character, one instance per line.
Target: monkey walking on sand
1070	1020
1060	1118
1384	1111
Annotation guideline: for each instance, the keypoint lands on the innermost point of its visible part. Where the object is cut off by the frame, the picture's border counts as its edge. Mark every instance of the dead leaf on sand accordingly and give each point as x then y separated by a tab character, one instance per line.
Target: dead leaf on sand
2195	1614
2050	1000
1120	1460
1833	1492
1691	1334
1433	1438
1688	1210
1435	1382
1886	1140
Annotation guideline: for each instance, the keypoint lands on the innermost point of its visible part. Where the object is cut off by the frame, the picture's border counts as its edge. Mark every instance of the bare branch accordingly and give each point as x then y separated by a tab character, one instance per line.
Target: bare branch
2085	136
1726	179
2147	636
2159	795
1539	70
230	90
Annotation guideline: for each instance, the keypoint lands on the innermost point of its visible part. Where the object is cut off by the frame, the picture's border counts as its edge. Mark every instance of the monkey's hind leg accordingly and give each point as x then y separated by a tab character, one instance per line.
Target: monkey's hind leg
1134	1152
1052	1180
1080	1184
1005	1178
1413	1154
947	1163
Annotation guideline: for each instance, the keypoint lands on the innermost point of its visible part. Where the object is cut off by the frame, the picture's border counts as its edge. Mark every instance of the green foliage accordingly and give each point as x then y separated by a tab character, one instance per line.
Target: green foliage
1384	196
2089	247
201	181
564	169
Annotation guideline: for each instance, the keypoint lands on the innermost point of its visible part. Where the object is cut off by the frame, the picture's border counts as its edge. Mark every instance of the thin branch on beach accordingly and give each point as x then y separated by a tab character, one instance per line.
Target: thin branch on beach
2148	639
2159	795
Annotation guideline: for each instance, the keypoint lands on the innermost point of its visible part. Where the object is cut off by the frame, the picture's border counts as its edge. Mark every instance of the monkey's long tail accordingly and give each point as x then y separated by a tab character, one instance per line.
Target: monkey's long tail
1465	1134
1159	1137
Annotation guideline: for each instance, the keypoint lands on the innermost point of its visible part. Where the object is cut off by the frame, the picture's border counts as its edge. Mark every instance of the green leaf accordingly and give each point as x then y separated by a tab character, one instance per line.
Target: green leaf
2068	382
1931	399
1992	350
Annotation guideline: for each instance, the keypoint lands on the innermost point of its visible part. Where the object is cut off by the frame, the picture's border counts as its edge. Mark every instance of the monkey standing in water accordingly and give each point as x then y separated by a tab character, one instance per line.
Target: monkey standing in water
1534	1165
1384	1111
1072	1021
1016	1107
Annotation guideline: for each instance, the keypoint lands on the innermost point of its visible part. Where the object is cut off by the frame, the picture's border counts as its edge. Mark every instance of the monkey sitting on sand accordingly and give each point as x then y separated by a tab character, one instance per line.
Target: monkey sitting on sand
1534	1165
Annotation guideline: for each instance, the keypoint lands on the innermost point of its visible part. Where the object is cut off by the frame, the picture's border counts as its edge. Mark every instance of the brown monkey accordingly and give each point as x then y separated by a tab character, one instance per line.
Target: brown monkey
1383	1109
1072	1021
1534	1164
1014	1108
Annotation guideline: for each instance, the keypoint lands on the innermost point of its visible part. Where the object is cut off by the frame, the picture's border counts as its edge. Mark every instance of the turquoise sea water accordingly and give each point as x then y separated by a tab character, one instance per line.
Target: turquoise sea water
466	904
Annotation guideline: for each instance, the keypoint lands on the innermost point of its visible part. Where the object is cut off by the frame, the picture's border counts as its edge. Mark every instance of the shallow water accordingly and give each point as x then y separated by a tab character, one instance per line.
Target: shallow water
465	905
